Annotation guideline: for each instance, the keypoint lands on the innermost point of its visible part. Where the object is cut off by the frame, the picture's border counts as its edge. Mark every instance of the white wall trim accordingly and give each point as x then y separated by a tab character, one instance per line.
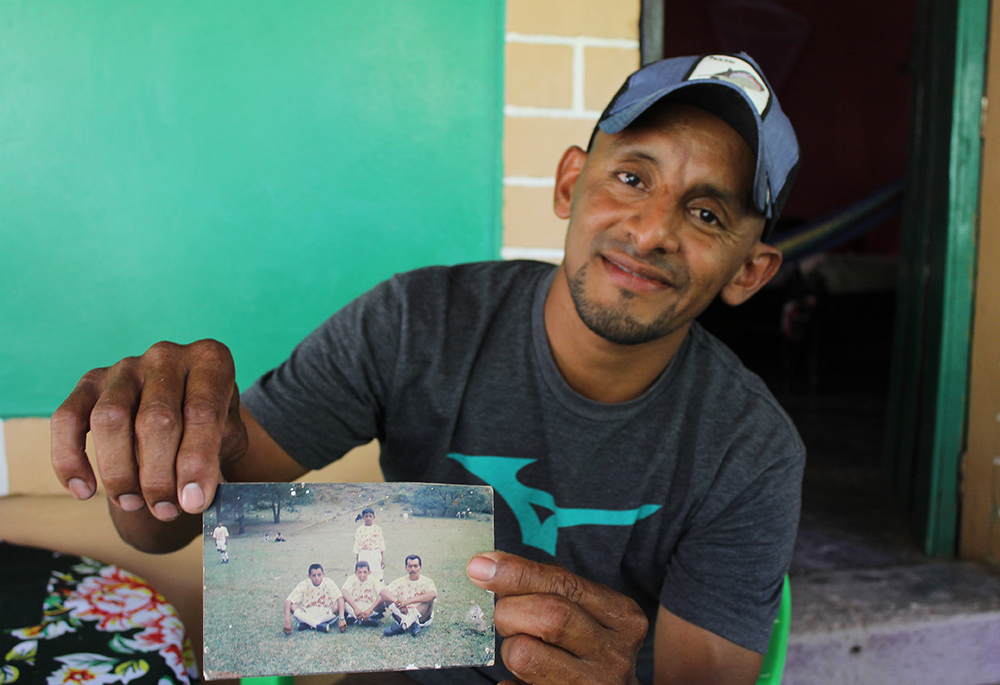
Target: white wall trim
519	111
530	181
582	41
543	254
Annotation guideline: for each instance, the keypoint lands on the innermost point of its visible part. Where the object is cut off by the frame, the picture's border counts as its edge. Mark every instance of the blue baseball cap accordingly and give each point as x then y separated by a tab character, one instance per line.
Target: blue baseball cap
733	88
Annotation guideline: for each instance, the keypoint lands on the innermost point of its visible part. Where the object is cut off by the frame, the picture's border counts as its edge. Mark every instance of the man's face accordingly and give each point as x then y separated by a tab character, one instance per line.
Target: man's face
660	222
316	576
413	569
362	573
368	518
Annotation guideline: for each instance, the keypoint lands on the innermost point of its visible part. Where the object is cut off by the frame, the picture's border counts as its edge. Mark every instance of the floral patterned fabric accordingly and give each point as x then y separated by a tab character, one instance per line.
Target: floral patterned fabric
95	624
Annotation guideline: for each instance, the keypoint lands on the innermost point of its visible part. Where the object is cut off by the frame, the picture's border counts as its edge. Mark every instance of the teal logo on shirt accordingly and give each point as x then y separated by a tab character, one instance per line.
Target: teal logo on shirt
501	473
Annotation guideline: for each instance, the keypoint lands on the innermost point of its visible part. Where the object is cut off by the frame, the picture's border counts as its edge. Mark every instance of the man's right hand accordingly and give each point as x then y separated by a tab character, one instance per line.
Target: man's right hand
163	426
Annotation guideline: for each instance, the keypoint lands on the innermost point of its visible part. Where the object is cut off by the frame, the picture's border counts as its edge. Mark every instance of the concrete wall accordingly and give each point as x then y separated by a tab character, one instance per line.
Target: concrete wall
980	478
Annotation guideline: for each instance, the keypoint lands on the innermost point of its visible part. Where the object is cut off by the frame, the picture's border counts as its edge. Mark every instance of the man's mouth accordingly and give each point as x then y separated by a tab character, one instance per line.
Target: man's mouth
635	275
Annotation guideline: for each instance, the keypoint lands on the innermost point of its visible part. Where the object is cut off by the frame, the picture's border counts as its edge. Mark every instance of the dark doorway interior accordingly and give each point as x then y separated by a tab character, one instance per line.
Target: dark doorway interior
821	334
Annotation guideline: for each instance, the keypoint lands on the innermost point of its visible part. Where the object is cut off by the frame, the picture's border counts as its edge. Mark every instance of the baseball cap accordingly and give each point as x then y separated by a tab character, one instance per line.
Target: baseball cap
733	88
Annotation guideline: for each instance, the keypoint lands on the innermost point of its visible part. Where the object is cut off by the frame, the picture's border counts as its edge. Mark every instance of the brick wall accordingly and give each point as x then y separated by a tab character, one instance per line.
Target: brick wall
564	60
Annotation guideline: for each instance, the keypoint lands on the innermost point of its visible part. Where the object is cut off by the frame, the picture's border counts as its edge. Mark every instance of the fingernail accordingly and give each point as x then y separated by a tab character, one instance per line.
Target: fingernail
192	498
165	511
79	489
130	502
481	568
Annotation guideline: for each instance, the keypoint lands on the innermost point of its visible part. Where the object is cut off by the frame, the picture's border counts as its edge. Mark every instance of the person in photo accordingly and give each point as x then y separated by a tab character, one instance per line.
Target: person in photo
369	545
316	603
364	605
221	535
410	599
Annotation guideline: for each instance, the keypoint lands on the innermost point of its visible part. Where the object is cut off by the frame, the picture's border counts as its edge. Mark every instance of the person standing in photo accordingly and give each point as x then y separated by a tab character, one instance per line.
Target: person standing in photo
221	535
369	545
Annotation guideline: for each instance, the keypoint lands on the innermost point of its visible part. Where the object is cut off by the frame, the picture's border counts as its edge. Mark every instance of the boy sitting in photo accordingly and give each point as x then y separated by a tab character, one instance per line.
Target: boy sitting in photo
361	593
316	603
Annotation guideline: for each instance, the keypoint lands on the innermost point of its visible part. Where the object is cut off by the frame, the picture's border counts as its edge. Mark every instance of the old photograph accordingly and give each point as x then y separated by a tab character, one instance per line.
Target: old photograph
304	578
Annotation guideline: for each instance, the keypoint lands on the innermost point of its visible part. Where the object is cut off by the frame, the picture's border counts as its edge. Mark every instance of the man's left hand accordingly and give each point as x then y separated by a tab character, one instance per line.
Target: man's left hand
559	627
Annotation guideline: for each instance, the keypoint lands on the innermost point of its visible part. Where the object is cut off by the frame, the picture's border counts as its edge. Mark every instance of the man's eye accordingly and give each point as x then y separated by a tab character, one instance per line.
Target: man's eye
708	217
629	179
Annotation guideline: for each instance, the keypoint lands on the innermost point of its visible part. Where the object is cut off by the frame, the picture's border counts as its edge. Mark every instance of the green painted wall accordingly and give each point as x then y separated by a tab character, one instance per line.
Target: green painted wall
238	170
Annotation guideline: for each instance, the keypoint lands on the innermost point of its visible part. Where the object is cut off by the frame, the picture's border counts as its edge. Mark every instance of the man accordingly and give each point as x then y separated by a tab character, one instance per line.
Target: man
369	544
221	535
623	441
361	593
317	604
410	598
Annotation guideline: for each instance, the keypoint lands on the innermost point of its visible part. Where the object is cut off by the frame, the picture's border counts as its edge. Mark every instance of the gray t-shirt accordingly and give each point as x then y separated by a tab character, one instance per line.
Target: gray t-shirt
687	496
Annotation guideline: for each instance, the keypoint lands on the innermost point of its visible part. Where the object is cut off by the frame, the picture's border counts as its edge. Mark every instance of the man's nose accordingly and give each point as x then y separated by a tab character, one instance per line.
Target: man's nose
654	227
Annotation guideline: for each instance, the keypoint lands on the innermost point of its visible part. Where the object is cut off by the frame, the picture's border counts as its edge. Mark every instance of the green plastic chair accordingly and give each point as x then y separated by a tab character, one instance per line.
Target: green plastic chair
777	649
269	680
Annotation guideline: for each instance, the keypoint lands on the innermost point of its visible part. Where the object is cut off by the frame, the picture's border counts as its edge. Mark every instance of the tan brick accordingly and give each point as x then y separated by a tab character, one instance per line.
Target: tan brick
539	75
533	146
598	18
528	219
605	69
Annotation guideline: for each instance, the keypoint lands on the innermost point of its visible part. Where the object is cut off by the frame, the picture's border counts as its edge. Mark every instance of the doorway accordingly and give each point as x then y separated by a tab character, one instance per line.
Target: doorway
820	335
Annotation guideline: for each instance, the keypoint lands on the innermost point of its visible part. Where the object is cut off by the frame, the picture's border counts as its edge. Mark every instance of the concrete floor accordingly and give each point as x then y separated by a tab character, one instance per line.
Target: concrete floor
867	606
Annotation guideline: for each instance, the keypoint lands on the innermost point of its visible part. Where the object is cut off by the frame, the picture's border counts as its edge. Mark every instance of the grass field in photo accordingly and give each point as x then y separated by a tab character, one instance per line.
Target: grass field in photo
244	599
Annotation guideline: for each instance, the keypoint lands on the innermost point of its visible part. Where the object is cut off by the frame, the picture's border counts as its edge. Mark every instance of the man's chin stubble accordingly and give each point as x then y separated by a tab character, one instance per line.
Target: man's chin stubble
614	323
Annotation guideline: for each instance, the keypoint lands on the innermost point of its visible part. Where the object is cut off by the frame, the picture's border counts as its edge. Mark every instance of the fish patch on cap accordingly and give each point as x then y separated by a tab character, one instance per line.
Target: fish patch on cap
737	72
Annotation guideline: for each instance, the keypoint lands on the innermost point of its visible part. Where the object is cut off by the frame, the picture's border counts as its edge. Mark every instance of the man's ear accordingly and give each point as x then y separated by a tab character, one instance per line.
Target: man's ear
568	171
758	268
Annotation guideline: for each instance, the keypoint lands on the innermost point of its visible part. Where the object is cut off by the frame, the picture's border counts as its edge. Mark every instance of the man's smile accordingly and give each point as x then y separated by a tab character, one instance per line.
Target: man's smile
634	275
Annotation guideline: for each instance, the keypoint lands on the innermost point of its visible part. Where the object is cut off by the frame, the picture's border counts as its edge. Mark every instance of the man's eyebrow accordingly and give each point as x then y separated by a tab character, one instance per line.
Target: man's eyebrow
627	149
724	196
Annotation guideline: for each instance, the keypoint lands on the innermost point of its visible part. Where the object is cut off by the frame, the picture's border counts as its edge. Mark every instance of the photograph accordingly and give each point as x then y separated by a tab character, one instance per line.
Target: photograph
307	578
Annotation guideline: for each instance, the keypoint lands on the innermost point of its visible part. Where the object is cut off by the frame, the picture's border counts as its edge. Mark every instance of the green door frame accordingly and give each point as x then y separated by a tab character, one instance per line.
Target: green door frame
929	381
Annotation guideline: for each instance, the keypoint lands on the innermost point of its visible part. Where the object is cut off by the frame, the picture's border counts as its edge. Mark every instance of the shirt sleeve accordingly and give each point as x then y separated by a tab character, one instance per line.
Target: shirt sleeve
329	396
296	596
333	589
393	588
